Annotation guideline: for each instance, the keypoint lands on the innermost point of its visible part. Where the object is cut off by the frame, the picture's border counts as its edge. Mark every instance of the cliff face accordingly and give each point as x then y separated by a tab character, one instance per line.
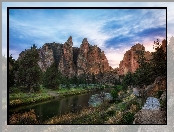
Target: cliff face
129	62
91	59
71	60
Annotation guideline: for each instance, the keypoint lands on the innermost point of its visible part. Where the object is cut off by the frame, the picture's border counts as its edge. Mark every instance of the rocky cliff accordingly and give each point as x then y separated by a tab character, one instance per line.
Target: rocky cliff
71	60
129	62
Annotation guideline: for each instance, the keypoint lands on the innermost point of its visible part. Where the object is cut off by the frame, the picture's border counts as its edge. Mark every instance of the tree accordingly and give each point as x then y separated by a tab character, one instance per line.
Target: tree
11	81
159	60
29	73
144	75
75	80
93	79
127	80
52	77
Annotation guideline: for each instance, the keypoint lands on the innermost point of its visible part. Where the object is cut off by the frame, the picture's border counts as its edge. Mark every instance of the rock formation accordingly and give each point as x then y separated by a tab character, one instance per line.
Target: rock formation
129	62
71	60
91	59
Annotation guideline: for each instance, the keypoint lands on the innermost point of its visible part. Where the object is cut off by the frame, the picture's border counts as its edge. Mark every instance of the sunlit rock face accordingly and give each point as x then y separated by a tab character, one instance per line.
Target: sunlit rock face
129	62
71	60
91	59
66	65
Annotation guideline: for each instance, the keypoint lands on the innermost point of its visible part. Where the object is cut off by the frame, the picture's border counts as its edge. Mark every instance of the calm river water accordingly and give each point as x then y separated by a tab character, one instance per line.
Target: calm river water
49	109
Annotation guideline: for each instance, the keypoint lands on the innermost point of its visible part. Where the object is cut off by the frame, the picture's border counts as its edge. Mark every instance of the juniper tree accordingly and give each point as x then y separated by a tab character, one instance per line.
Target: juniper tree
52	77
29	73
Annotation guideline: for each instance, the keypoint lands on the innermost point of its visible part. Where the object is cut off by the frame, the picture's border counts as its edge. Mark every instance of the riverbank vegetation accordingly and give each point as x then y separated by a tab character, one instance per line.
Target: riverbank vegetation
119	112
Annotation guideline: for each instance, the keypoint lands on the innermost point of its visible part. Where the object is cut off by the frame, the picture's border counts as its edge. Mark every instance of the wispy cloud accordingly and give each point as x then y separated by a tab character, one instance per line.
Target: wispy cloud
109	29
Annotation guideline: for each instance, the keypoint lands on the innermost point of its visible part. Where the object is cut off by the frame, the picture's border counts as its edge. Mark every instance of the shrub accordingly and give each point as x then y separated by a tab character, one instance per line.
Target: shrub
111	113
159	94
127	118
114	94
24	118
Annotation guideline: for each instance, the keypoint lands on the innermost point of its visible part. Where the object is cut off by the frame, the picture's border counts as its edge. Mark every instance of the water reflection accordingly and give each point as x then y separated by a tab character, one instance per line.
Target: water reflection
47	110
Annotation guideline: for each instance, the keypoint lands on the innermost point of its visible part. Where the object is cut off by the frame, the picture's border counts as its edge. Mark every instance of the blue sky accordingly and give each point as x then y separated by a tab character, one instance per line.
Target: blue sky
114	31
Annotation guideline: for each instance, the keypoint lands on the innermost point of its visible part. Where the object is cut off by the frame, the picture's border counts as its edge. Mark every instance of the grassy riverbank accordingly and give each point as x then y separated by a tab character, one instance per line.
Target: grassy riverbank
19	98
23	98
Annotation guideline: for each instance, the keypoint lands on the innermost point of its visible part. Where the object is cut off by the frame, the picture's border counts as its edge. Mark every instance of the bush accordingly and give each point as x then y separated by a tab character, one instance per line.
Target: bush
36	88
127	118
159	94
114	94
111	113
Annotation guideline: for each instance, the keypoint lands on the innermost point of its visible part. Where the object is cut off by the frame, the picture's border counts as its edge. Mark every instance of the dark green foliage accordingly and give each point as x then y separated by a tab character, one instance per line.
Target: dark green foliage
29	73
127	118
67	82
82	80
114	92
11	81
74	80
159	94
143	75
159	60
127	80
93	79
111	113
117	82
163	104
52	77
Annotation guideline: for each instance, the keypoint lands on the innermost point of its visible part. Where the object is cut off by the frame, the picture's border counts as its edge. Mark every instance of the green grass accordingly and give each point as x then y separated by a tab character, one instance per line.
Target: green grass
20	98
73	91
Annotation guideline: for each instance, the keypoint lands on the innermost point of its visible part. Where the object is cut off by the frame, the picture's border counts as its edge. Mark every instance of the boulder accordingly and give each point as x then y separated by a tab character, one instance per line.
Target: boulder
147	116
98	99
152	104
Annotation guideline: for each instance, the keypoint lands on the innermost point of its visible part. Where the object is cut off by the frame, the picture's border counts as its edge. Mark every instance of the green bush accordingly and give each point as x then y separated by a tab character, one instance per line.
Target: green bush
127	118
163	104
111	113
159	94
36	88
114	94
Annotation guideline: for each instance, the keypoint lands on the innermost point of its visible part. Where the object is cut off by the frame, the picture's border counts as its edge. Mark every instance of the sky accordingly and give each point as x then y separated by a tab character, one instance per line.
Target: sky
113	30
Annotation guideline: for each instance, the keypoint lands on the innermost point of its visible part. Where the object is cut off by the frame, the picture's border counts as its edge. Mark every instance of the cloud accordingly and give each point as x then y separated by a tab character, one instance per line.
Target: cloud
104	28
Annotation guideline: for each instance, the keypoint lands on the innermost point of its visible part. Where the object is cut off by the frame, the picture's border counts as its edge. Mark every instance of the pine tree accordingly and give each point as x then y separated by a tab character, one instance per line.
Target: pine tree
159	60
11	71
29	72
52	77
144	74
93	79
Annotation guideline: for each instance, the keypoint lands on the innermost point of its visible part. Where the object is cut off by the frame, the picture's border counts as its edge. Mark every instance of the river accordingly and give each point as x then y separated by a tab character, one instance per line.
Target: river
49	109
